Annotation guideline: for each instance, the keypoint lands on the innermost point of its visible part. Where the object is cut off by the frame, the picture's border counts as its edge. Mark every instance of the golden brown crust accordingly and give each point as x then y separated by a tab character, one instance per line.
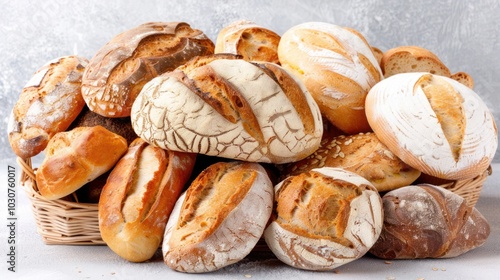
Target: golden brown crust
464	78
119	70
48	104
76	157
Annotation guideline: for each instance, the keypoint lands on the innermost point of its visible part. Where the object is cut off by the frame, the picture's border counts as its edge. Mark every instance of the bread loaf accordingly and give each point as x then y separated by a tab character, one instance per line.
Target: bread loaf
219	219
232	108
337	66
324	218
463	78
138	197
427	221
434	124
407	59
253	42
119	70
362	154
48	103
76	157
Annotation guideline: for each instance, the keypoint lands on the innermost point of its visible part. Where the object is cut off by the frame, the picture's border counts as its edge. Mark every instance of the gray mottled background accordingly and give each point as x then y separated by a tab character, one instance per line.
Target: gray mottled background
464	34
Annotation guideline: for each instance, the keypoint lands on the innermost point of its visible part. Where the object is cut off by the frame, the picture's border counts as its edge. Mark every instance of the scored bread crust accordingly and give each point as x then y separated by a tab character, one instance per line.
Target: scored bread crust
119	70
222	106
48	103
76	157
219	219
324	218
138	197
434	124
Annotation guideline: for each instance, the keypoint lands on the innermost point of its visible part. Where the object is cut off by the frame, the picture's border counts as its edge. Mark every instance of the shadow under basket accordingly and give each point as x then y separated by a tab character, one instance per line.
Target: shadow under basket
71	223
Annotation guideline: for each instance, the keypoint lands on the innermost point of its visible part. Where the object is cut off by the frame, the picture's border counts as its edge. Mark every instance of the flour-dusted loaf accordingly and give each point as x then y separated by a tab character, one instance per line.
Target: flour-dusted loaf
223	106
48	103
428	221
361	153
138	197
324	218
250	40
76	157
337	66
434	124
119	70
219	219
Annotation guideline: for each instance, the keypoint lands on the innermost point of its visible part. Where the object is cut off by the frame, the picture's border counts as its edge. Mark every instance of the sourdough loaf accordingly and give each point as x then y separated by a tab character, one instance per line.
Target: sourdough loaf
337	66
434	124
223	106
119	70
48	103
219	219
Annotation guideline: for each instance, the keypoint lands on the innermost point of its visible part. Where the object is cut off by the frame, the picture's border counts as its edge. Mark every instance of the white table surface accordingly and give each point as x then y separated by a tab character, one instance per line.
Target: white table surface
36	260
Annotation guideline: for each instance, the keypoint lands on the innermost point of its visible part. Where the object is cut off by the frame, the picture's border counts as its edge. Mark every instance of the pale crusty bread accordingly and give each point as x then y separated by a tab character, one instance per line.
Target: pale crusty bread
48	103
362	154
120	68
76	157
406	59
434	124
463	78
253	42
324	218
138	197
428	221
338	68
223	106
219	219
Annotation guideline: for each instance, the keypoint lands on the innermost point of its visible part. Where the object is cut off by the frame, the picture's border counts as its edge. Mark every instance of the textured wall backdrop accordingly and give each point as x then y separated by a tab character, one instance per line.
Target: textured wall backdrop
464	34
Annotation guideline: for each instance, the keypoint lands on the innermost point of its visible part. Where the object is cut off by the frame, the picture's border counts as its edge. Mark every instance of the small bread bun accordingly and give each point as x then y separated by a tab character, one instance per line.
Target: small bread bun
434	124
253	42
324	218
219	219
362	154
76	157
337	66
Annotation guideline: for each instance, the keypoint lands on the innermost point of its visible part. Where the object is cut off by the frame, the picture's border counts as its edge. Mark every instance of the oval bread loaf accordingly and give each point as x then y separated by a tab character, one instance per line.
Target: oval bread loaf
434	124
48	103
119	70
232	108
219	219
324	218
337	66
427	221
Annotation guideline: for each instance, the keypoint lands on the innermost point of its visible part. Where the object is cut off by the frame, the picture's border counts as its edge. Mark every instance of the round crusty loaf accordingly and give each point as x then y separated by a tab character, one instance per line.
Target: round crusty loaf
119	70
221	106
253	42
337	66
219	219
434	124
428	221
76	157
48	103
324	218
362	154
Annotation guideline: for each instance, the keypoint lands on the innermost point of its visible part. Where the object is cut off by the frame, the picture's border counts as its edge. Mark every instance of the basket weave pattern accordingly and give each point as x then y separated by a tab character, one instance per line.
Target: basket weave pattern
72	223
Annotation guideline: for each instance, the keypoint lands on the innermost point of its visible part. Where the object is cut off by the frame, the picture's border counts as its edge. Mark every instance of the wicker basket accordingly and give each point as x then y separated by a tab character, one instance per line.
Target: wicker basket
72	223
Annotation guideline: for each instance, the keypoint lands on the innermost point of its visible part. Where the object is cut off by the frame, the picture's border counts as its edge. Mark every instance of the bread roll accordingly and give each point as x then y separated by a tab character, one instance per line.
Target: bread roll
337	66
434	124
253	42
119	70
324	218
407	59
76	157
463	78
48	103
138	197
219	219
427	221
232	108
362	154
